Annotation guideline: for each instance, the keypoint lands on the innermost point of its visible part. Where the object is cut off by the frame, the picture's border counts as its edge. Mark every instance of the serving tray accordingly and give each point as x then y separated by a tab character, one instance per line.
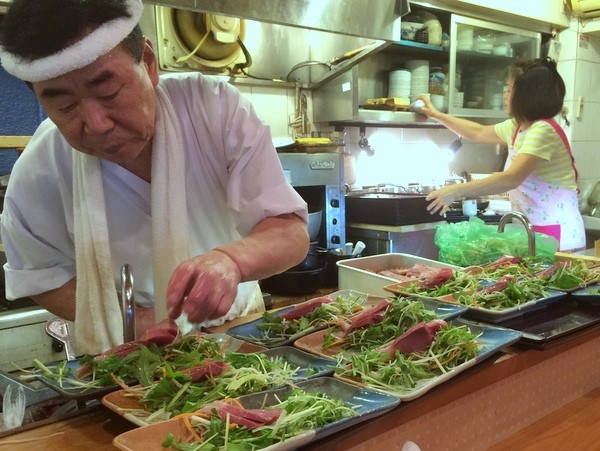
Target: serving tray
313	342
492	339
557	323
70	389
484	314
369	404
251	332
310	367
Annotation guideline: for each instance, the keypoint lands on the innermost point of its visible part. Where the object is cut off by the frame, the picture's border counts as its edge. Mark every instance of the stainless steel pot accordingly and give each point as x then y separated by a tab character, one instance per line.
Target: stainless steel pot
315	259
314	224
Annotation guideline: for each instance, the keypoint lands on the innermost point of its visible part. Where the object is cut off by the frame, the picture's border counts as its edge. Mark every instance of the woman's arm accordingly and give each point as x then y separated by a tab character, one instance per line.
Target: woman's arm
511	178
463	127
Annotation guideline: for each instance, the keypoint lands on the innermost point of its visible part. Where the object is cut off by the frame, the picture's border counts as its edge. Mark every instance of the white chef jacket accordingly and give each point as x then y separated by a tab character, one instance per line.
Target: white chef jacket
233	181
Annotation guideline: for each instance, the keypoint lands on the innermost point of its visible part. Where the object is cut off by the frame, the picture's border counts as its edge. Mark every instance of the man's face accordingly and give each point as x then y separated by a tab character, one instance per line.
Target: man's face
106	109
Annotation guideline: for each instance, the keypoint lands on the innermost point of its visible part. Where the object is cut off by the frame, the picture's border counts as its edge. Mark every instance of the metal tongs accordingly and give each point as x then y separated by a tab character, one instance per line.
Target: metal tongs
58	329
127	303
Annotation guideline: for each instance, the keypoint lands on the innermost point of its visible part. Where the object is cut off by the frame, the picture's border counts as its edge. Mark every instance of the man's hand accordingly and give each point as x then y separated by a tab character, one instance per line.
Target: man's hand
203	287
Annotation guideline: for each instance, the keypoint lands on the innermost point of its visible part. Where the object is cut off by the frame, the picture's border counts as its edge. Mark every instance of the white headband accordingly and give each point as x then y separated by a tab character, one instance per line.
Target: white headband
91	47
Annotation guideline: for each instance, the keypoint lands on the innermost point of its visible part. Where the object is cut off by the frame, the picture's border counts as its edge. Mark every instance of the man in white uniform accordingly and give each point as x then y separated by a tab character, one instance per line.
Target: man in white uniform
175	175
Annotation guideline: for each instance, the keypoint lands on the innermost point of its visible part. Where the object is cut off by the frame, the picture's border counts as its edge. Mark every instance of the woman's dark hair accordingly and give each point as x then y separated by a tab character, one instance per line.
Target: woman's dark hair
538	90
34	29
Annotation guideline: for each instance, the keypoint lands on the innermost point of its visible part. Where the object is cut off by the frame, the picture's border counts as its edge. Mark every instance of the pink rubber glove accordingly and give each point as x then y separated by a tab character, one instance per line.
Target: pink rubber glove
204	287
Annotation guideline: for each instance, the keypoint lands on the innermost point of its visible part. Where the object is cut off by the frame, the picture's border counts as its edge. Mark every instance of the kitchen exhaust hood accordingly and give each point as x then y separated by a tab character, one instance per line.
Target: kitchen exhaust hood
374	19
299	42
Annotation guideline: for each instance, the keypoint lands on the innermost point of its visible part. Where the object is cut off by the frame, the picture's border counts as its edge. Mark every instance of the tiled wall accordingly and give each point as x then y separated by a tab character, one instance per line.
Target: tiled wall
579	65
276	106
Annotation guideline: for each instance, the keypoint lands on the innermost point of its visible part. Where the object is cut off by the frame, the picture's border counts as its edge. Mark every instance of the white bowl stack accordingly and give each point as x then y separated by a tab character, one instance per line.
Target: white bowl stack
419	77
464	39
458	99
399	83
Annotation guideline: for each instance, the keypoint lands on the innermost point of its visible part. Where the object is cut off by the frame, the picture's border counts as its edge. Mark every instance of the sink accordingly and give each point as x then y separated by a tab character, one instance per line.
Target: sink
591	223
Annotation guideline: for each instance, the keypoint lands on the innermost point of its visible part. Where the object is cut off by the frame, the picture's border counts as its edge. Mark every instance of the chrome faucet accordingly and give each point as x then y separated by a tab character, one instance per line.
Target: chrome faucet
528	227
127	303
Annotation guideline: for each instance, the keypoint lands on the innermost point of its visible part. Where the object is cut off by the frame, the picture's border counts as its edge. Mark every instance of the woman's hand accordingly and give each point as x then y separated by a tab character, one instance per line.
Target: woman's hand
428	109
442	198
203	287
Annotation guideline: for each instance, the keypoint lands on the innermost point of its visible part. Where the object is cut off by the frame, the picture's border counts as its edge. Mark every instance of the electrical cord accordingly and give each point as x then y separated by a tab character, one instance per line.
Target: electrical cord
305	64
241	68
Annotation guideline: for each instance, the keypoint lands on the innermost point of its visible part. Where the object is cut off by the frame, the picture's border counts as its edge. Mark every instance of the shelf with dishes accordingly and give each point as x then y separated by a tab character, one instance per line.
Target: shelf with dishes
481	52
464	76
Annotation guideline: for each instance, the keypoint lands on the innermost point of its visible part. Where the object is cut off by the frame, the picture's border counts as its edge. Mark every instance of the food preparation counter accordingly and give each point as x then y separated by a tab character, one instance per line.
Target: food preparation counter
494	404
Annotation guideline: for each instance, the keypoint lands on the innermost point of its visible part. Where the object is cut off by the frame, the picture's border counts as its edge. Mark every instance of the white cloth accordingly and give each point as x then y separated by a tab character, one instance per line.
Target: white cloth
79	54
232	176
169	233
98	323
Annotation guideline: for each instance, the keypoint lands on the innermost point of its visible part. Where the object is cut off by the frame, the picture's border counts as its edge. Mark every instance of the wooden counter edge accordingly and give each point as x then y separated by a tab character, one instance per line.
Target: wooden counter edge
497	368
99	423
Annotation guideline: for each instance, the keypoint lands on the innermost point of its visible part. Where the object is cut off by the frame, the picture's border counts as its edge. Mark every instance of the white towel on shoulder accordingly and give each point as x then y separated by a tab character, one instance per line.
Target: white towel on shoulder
99	319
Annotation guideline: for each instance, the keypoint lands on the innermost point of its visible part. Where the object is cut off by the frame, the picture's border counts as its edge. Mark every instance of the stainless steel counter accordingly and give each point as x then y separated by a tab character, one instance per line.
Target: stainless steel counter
23	337
414	239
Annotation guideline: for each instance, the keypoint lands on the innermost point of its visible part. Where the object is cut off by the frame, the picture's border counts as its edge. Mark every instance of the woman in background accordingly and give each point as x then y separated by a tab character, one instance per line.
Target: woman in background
539	174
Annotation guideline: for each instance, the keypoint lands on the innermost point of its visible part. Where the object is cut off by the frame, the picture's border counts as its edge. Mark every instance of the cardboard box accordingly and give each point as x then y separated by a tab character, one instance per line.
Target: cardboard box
360	273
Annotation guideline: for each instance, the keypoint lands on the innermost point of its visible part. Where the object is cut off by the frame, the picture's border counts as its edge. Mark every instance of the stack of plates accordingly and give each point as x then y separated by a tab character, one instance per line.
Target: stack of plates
484	44
399	83
464	39
419	77
458	99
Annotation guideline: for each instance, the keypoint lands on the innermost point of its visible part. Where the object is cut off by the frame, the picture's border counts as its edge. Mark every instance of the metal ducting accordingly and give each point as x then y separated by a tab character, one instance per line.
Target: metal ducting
296	41
374	19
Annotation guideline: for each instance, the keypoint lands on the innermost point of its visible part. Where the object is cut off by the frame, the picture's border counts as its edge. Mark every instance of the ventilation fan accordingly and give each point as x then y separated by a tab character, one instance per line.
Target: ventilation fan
586	8
190	40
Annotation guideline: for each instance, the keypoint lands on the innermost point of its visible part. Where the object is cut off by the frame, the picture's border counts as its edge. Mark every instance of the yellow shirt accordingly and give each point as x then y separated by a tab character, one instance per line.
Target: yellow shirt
541	140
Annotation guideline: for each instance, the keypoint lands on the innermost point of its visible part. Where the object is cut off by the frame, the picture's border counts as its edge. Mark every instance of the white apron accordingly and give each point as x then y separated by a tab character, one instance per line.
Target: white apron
552	210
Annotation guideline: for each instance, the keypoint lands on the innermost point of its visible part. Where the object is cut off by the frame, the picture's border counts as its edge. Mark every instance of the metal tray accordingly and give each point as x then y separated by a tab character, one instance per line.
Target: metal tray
313	342
311	367
369	404
361	273
556	323
492	340
73	391
251	333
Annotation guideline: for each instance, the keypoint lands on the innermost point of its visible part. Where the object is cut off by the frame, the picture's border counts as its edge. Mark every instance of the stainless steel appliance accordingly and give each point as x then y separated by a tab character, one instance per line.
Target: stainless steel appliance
416	239
319	179
23	337
22	322
391	219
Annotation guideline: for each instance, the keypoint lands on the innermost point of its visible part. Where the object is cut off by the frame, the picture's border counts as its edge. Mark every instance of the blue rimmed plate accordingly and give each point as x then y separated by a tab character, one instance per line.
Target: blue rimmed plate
368	404
252	332
491	339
